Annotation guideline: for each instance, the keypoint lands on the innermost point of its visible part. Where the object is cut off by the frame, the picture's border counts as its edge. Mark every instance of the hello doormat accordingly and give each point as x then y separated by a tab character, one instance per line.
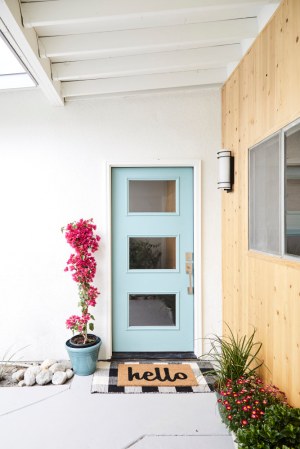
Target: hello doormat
153	377
156	375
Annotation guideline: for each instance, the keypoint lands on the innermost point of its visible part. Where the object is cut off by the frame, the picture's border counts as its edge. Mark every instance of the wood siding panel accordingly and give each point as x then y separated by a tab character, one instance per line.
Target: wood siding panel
262	96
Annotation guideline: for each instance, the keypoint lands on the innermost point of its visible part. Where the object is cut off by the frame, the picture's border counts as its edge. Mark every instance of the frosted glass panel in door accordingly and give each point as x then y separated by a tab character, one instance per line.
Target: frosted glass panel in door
152	253
152	196
152	310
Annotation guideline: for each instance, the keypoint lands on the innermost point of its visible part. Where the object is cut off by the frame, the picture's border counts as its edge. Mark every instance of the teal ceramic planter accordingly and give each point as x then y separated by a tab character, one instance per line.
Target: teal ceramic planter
84	358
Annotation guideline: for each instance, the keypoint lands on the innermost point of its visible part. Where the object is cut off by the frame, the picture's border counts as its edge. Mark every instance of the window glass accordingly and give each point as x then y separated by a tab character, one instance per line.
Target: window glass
13	73
152	196
152	310
152	253
292	191
265	196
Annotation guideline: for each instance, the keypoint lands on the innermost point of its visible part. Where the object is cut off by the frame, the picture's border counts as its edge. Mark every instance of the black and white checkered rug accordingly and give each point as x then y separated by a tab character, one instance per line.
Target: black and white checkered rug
105	379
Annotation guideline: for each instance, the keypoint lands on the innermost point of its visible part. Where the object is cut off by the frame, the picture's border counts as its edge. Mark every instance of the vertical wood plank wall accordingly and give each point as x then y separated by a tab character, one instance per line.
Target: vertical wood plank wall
260	97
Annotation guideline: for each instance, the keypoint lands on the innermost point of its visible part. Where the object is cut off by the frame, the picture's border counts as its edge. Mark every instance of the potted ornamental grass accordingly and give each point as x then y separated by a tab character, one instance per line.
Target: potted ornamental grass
256	413
233	356
83	347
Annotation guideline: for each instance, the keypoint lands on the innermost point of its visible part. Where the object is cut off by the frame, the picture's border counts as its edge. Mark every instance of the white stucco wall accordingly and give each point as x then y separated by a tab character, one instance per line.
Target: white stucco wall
53	171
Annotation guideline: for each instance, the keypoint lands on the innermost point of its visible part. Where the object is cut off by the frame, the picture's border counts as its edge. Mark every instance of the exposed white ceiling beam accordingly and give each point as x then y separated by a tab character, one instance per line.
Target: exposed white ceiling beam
246	44
142	83
182	60
231	67
24	43
69	16
266	13
130	42
100	47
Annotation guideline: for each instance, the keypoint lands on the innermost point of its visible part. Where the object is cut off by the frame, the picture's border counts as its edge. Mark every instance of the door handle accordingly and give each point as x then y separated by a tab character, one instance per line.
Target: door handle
189	271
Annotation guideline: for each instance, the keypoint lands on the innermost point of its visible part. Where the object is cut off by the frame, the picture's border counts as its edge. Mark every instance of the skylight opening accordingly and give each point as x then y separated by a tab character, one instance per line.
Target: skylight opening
13	74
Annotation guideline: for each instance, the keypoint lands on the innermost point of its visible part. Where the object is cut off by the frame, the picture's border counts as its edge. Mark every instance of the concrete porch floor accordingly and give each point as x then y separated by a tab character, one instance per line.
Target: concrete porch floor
70	416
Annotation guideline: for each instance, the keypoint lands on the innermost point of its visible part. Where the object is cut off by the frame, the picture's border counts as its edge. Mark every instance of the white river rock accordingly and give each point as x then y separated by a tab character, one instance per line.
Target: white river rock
59	378
47	363
29	378
69	373
57	367
44	377
18	375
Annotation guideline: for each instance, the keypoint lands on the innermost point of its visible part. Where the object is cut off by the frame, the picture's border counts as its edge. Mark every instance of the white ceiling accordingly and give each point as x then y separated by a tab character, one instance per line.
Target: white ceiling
78	48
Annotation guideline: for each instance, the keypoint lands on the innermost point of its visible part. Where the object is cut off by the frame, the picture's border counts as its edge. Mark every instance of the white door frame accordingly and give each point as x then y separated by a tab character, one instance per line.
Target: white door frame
196	165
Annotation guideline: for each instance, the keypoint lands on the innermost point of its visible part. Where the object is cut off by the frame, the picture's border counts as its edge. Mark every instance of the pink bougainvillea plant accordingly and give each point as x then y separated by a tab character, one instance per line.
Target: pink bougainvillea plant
83	239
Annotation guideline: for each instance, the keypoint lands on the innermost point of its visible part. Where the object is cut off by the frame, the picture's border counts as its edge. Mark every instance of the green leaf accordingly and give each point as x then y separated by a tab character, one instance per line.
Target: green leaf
91	326
234	356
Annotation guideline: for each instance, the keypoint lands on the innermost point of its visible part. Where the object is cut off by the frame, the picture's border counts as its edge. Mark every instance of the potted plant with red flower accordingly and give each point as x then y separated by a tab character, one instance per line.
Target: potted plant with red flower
83	347
233	356
244	401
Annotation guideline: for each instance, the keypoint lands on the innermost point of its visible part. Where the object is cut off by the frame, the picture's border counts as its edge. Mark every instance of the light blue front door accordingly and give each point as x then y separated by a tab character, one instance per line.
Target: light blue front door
152	248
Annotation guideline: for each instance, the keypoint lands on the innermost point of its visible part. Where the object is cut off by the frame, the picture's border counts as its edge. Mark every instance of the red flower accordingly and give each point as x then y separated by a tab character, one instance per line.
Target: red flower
245	401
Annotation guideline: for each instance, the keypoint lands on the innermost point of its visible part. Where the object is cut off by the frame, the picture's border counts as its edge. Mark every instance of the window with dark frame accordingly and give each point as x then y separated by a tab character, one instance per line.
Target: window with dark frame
292	190
274	193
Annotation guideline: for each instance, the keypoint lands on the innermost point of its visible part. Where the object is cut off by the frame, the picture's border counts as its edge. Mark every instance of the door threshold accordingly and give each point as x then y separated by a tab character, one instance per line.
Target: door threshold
153	356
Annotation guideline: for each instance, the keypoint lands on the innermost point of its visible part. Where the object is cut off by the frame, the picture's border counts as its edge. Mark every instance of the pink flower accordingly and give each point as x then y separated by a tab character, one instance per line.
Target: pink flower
82	238
72	321
85	318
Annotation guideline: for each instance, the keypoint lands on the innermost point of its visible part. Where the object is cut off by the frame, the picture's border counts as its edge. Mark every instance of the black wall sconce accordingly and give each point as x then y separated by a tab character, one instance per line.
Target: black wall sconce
226	170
